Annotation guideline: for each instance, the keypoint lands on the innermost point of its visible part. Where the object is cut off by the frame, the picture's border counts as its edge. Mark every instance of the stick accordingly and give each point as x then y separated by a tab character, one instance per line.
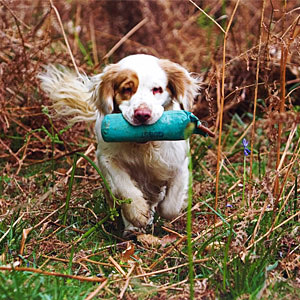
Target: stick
97	290
33	270
256	87
208	16
117	266
167	252
125	38
65	36
171	268
222	108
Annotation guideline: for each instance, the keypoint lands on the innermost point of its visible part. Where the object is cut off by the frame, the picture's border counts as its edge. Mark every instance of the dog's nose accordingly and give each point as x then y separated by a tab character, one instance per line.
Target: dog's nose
141	115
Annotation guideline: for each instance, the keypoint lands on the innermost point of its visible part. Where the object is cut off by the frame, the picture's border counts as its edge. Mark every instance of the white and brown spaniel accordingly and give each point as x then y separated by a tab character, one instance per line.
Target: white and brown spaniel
154	175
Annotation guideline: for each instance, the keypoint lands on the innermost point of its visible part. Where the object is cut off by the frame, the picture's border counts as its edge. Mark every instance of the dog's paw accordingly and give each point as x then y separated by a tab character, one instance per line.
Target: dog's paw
137	213
169	210
132	231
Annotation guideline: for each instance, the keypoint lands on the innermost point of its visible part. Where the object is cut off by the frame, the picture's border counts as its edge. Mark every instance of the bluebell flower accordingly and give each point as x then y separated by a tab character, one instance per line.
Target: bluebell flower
245	145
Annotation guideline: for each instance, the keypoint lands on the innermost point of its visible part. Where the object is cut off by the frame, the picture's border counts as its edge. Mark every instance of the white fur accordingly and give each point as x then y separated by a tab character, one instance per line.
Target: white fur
146	66
153	174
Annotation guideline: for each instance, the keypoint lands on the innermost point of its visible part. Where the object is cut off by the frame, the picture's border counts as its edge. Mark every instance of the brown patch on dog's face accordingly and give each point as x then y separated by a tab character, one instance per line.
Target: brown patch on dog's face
116	86
126	86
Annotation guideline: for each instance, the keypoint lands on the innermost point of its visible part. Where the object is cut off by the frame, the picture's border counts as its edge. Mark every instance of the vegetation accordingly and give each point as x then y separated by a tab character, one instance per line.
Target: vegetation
58	238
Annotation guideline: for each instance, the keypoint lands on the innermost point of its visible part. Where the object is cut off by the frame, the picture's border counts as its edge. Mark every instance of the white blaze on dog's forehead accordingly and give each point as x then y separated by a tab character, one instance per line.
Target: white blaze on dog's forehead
151	75
147	68
138	59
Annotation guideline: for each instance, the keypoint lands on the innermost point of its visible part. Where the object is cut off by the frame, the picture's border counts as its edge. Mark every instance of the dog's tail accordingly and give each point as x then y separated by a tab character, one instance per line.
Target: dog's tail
71	94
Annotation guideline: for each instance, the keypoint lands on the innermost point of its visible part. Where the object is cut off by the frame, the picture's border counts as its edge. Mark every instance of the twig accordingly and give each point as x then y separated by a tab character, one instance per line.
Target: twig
68	197
14	15
27	231
23	156
240	138
256	88
33	270
117	266
91	230
208	16
283	62
13	225
93	39
167	252
78	261
294	159
90	149
65	36
47	217
273	229
29	130
215	225
172	231
57	157
126	282
222	106
259	220
68	227
97	290
121	295
283	65
171	268
11	152
171	286
256	241
94	262
196	206
289	141
125	38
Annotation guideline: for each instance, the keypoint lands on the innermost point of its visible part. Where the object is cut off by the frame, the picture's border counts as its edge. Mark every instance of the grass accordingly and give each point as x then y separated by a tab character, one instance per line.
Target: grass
239	238
232	266
25	285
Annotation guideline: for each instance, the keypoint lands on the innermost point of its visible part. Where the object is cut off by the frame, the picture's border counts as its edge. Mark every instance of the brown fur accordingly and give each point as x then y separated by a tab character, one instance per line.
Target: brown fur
178	82
127	85
114	88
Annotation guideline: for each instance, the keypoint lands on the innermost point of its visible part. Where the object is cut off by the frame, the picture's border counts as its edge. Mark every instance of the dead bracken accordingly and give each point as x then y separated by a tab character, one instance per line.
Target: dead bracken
245	227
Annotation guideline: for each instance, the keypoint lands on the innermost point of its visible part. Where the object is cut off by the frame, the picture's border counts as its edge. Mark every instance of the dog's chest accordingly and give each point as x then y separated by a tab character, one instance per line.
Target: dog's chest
151	161
155	161
150	169
148	162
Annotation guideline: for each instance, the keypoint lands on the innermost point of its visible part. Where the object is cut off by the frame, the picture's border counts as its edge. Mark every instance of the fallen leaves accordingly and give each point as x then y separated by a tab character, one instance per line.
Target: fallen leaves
128	253
150	240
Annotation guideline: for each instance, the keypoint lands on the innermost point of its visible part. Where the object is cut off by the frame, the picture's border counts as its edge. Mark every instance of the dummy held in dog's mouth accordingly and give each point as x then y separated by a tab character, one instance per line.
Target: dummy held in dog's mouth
172	126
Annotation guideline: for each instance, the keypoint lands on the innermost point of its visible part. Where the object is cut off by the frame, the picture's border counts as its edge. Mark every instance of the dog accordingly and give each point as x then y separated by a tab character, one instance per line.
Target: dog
154	175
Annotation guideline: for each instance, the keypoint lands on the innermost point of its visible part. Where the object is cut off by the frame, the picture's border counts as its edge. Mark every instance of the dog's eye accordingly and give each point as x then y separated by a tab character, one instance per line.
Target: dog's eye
157	90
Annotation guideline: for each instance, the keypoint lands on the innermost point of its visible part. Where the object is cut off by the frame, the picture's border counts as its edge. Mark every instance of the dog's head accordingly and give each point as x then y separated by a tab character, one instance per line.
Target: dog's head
141	87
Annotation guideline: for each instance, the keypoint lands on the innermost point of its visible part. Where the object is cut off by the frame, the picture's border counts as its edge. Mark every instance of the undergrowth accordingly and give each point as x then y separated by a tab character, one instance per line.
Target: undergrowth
58	237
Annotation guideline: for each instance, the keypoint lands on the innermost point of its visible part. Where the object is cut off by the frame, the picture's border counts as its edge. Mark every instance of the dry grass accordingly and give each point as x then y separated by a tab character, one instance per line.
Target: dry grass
36	152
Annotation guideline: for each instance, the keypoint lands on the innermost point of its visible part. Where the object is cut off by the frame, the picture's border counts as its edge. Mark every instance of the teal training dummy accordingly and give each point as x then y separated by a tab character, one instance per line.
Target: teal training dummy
171	127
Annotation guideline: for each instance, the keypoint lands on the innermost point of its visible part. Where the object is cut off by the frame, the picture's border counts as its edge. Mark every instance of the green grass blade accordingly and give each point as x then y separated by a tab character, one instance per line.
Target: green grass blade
189	229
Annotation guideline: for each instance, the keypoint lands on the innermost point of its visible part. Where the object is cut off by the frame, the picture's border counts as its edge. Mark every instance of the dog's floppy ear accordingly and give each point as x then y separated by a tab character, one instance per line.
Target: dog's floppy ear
104	89
182	86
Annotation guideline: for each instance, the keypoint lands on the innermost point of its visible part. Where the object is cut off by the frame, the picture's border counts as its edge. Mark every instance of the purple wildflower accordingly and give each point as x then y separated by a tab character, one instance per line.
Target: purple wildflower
245	145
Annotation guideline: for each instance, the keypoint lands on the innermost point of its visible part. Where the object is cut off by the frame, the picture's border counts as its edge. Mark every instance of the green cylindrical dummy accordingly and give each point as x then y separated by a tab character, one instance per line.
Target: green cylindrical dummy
171	126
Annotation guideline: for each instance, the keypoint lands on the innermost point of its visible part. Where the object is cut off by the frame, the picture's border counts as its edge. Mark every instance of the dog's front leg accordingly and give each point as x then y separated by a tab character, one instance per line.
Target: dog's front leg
177	192
137	212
